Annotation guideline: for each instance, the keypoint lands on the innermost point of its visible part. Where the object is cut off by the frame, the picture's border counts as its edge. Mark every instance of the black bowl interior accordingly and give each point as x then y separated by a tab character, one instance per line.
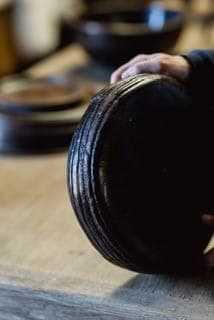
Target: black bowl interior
153	178
149	177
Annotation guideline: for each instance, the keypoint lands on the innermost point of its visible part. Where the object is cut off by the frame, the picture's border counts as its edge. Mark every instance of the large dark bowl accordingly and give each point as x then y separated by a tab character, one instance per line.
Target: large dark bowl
140	175
115	37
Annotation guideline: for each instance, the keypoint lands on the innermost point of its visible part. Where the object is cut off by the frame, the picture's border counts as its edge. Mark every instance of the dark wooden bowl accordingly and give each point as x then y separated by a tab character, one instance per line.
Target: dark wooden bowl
115	37
22	94
139	174
39	115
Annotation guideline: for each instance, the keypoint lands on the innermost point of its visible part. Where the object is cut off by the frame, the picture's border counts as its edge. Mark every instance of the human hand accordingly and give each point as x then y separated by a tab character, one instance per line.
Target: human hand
172	65
209	256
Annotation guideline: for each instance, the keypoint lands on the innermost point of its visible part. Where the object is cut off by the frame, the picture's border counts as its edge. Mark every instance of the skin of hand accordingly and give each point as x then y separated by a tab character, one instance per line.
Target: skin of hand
209	256
160	63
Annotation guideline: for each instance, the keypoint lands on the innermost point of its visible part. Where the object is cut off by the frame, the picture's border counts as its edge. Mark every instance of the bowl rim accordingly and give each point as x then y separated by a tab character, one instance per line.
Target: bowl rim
94	27
78	94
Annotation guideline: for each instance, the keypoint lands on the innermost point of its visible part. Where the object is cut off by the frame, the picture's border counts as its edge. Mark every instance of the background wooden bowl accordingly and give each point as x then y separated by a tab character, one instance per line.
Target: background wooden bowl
39	115
113	37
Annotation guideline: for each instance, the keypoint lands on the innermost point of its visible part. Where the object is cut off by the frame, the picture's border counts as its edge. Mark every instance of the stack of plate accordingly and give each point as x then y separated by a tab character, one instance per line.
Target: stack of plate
39	115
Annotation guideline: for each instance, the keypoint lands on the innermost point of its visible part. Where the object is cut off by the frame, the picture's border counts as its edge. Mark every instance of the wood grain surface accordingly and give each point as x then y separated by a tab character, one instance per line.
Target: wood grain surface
49	270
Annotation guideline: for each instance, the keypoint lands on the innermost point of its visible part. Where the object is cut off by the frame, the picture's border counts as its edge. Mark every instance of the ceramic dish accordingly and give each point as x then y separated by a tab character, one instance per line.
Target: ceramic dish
115	37
39	115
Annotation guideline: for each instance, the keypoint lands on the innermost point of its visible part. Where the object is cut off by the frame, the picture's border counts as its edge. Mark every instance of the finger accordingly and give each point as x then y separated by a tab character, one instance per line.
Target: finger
209	259
208	219
150	66
140	57
116	75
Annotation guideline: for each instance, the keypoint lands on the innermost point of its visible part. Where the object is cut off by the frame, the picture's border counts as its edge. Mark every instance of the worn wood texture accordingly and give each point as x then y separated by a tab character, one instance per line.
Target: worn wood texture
49	270
44	296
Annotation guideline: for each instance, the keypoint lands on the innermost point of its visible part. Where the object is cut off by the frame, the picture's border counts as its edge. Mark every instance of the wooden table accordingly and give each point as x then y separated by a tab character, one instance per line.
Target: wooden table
48	268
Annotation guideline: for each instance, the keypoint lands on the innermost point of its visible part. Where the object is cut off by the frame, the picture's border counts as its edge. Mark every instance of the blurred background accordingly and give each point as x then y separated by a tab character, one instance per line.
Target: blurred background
33	29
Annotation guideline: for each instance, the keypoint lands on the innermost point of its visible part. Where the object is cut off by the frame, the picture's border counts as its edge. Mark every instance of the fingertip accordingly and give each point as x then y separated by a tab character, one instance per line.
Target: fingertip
114	78
116	75
111	80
